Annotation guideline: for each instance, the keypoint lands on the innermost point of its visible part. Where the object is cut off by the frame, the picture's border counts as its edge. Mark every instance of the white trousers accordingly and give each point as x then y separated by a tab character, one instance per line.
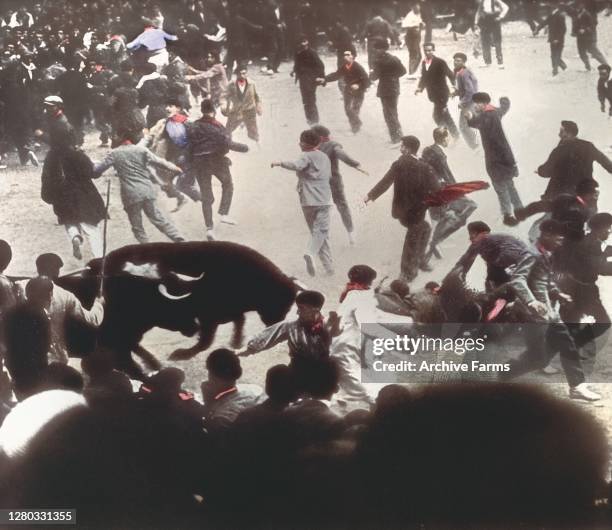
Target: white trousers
93	233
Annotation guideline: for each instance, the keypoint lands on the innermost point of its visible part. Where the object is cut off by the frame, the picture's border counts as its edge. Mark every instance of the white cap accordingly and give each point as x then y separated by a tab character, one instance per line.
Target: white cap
54	100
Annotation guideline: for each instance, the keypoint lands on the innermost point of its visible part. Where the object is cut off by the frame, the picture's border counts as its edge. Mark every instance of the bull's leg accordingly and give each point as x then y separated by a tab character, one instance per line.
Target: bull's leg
147	357
238	334
207	335
129	366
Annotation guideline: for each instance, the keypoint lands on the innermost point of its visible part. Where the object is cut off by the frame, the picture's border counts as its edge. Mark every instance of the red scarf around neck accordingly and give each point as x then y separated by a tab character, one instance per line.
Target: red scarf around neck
353	286
178	118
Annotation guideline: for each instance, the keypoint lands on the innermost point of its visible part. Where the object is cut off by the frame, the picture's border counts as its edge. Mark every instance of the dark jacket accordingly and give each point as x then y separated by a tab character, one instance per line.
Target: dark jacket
499	250
435	156
585	26
499	159
154	93
72	87
210	139
556	26
412	181
307	66
335	153
433	79
604	92
67	185
388	69
569	163
355	75
588	260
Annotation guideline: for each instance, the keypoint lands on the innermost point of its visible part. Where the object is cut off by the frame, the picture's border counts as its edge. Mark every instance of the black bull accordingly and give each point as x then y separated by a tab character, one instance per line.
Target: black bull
225	281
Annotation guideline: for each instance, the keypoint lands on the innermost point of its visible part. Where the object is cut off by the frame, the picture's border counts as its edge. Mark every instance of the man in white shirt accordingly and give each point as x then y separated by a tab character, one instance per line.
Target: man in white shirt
489	16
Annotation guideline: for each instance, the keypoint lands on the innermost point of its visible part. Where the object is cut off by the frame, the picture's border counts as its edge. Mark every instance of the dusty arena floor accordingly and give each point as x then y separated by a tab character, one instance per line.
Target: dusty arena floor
266	204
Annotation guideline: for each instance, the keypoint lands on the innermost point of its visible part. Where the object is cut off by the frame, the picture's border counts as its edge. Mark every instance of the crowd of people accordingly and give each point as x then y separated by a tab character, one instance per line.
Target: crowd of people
140	73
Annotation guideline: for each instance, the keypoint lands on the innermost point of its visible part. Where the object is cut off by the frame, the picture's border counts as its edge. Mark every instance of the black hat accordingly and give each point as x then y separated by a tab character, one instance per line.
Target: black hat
460	55
481	97
311	298
207	107
599	220
225	364
48	260
362	274
604	68
310	138
570	126
552	226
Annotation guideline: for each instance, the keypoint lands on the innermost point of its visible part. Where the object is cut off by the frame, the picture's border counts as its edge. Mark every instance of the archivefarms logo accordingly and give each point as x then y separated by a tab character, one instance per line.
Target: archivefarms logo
413	353
443	353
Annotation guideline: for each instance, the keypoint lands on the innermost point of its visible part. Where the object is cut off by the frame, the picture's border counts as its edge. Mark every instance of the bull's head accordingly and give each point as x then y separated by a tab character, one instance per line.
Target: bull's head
173	285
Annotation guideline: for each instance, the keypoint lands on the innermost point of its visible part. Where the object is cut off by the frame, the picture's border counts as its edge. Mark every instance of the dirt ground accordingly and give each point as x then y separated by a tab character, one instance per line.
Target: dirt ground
266	204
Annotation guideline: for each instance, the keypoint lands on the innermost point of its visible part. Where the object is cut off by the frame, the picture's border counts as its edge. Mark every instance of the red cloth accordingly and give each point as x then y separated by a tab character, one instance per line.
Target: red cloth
318	325
241	82
489	108
179	118
352	287
452	192
500	303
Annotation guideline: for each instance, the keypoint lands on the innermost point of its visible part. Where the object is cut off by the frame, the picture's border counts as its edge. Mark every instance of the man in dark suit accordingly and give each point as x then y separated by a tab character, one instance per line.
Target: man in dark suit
307	68
570	162
412	181
356	82
499	159
387	70
604	87
585	29
556	37
434	72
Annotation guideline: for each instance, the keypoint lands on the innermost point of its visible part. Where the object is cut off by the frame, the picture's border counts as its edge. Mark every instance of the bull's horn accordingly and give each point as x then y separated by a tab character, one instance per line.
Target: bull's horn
300	286
187	278
164	291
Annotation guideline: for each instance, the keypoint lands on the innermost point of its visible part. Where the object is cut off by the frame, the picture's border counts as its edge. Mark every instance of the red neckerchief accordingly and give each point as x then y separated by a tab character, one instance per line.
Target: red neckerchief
318	325
178	118
310	148
325	139
225	393
581	200
353	286
58	113
489	108
116	37
542	250
126	142
428	61
460	71
241	82
348	66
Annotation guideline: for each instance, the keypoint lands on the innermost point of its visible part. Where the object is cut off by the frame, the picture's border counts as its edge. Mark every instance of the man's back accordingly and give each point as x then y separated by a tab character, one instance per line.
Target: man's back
570	163
435	156
388	69
412	181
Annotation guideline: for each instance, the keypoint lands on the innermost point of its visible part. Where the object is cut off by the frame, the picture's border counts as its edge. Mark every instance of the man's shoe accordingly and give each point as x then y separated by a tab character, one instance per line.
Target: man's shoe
426	267
582	391
519	213
501	66
227	220
549	370
510	220
310	266
77	241
210	234
32	158
181	201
